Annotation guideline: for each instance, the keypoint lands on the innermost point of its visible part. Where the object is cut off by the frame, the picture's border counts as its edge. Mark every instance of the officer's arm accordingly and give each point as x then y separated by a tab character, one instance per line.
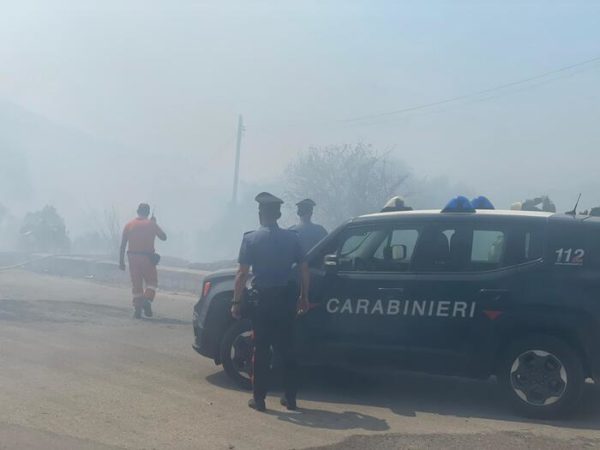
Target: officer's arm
240	283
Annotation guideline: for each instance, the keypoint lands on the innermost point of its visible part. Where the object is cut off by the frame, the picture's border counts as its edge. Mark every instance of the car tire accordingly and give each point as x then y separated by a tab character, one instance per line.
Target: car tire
542	377
236	353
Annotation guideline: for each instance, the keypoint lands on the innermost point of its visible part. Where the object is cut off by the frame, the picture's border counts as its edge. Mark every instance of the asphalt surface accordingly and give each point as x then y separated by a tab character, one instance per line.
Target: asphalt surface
77	372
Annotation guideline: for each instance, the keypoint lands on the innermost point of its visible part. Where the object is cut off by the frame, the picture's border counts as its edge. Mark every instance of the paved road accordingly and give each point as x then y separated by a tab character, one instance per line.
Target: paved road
76	372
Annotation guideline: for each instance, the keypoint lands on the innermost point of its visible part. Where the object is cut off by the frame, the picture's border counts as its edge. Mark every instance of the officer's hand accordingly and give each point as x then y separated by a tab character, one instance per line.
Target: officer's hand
302	306
122	266
236	311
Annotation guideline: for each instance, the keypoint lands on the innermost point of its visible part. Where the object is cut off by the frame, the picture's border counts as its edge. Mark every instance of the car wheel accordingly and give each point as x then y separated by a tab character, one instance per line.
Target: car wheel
542	377
236	353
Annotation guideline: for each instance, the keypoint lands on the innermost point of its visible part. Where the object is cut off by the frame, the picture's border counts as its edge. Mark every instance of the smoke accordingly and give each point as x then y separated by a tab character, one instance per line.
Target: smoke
107	104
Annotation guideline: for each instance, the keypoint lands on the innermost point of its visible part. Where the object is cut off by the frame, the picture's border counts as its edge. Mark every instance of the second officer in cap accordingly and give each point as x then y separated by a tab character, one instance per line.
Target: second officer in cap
309	233
271	252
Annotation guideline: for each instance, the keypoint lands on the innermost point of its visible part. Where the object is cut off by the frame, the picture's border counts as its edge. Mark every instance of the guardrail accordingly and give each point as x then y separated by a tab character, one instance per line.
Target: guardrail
169	278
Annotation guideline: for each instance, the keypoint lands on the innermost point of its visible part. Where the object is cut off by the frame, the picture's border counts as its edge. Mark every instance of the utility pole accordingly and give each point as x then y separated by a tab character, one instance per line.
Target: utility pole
236	173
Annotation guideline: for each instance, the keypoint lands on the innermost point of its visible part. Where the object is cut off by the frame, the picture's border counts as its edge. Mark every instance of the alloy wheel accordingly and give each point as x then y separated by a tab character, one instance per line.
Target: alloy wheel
538	377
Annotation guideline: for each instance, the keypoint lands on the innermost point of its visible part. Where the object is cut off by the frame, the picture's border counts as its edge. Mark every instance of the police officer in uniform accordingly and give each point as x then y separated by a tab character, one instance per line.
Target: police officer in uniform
309	233
271	252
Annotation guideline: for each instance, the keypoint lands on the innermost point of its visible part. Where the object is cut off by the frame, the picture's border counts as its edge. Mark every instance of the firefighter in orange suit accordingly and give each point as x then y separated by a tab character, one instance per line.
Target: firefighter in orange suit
138	240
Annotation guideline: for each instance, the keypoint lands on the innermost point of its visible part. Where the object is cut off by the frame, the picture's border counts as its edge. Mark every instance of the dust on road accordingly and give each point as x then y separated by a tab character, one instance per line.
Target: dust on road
76	371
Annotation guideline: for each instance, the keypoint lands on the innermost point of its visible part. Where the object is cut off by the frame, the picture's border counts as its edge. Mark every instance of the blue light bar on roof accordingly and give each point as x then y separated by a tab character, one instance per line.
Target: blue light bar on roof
482	202
459	204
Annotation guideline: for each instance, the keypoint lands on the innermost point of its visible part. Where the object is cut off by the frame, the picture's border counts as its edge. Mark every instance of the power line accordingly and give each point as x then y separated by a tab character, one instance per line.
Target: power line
483	98
474	94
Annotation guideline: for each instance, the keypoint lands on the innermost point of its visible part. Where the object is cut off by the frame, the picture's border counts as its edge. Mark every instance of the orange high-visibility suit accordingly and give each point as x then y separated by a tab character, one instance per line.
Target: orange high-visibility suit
140	234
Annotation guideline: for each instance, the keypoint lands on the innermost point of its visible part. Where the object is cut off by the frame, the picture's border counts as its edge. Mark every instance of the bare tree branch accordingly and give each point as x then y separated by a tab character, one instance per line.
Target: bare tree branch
346	180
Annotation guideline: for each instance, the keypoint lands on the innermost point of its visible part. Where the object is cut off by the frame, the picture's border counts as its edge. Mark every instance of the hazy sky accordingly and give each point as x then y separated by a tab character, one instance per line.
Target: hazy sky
167	79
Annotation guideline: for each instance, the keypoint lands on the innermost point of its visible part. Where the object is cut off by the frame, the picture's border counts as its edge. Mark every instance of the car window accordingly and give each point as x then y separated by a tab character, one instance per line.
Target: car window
460	248
487	250
534	245
395	251
377	250
405	237
523	244
432	252
353	245
357	248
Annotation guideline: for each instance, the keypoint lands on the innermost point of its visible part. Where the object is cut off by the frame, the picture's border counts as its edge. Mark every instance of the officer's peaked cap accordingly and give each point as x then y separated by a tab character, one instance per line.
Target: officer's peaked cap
266	198
306	203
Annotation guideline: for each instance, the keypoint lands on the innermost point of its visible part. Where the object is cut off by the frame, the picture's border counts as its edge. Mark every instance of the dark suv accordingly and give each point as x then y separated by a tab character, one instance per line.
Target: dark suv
506	293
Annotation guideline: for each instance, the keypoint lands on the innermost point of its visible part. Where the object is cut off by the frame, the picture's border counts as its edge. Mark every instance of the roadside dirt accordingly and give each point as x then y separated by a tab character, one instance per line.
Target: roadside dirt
77	372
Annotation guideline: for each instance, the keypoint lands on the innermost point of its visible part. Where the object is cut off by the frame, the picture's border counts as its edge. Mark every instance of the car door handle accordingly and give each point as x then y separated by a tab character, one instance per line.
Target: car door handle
495	294
390	289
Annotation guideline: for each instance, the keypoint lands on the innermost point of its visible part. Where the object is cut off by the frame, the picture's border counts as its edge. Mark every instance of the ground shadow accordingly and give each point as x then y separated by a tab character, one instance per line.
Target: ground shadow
407	394
318	418
220	379
306	417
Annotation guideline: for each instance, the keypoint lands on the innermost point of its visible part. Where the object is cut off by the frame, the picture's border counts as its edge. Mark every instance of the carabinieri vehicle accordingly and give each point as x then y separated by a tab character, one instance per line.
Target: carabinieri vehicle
479	293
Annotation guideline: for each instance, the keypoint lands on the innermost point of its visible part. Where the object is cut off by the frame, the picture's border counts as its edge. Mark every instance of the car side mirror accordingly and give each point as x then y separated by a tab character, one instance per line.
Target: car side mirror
399	252
330	262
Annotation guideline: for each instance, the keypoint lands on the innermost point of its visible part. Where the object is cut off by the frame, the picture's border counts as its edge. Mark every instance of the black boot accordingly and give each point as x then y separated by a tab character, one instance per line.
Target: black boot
137	312
289	403
147	306
257	404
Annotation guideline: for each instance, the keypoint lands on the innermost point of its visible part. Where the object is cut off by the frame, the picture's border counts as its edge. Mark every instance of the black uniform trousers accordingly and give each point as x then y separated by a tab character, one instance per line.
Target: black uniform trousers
273	322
